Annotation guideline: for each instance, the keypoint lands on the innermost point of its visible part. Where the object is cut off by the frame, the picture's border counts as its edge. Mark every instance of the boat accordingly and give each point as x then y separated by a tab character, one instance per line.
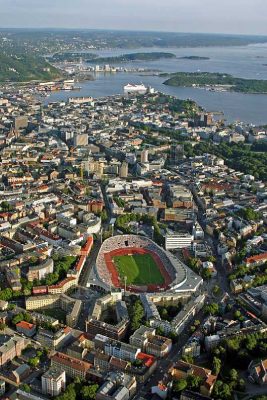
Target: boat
132	88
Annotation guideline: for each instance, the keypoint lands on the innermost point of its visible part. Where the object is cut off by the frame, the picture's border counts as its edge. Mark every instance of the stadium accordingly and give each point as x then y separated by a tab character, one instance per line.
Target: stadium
140	265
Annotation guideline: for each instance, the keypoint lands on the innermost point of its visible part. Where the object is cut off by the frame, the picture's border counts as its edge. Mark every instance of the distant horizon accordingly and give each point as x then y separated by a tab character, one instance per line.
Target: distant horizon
238	17
53	28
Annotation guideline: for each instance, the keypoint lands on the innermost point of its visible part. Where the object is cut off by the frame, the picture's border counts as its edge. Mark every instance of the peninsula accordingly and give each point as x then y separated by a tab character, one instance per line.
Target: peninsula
216	81
152	56
194	58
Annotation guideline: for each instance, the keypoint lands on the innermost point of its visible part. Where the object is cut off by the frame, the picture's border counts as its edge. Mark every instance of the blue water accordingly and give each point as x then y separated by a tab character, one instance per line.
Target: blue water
245	62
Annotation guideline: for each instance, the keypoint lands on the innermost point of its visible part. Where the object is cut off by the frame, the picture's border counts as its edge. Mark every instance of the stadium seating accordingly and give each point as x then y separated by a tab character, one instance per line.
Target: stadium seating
171	269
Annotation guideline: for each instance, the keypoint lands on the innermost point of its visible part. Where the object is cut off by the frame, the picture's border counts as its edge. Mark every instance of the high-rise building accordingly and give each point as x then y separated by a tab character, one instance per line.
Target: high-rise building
144	156
177	153
53	382
124	170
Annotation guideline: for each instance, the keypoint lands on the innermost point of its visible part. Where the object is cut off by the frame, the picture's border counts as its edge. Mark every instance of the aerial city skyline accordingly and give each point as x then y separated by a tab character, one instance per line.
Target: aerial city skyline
133	200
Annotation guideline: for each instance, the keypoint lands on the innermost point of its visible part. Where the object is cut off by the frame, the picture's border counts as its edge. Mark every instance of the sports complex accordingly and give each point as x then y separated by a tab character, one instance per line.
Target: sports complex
140	265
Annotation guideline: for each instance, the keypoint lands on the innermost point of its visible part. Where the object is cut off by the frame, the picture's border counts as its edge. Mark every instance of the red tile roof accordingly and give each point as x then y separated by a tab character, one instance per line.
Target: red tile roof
146	358
71	362
25	325
258	257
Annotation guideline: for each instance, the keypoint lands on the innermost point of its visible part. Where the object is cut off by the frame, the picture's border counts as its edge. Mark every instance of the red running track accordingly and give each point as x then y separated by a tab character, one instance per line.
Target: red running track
130	251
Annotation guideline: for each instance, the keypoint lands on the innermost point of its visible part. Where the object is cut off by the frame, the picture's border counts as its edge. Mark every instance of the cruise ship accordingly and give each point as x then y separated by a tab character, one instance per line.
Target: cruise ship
131	88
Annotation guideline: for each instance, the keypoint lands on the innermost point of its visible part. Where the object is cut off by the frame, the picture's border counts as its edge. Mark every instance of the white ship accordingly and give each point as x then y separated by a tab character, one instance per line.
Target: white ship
131	88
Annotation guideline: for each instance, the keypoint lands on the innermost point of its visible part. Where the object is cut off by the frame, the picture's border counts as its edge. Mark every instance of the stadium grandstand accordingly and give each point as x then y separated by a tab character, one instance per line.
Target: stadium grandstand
175	275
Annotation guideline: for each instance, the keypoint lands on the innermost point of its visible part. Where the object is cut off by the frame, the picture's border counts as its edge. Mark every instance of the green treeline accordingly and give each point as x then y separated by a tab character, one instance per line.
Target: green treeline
188	79
25	68
241	158
132	57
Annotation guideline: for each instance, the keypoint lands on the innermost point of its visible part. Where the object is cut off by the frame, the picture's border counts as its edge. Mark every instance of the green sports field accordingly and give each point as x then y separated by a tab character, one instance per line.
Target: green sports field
140	269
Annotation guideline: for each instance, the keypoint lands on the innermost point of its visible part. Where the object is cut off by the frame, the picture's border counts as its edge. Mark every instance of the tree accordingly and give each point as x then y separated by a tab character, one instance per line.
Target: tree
6	206
160	331
6	294
241	385
26	388
89	392
70	393
206	274
193	382
233	374
164	314
188	358
212	259
173	336
251	342
17	318
104	216
212	309
216	290
222	391
237	314
137	314
216	365
260	398
180	385
2	326
233	345
27	317
34	362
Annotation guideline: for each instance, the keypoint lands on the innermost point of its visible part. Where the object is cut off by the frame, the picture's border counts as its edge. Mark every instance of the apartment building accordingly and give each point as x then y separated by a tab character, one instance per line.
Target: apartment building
51	339
149	342
10	347
38	302
116	348
41	270
117	332
72	366
53	382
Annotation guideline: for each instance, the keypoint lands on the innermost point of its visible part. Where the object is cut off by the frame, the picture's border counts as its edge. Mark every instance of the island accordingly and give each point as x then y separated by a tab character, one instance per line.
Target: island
152	56
215	82
194	58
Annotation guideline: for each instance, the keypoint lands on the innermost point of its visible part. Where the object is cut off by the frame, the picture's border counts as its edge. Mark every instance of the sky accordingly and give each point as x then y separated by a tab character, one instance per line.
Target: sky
216	16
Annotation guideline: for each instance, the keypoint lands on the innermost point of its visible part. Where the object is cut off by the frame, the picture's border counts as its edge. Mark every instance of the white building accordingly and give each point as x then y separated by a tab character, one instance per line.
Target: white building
178	241
198	231
144	156
121	350
53	382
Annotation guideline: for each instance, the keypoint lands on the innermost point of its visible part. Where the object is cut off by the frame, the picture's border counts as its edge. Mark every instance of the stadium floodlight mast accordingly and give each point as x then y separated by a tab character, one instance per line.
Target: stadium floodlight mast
153	232
125	283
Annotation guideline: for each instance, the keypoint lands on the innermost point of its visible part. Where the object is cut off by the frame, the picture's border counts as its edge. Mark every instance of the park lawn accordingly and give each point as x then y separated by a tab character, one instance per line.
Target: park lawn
140	269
